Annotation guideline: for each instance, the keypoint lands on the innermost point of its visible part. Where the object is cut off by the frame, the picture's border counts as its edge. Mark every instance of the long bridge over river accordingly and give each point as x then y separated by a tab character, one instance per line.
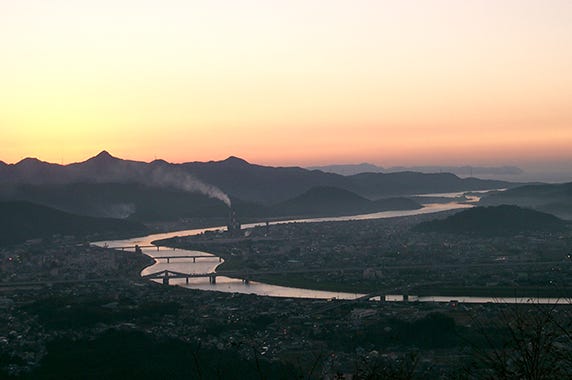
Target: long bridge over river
167	275
245	275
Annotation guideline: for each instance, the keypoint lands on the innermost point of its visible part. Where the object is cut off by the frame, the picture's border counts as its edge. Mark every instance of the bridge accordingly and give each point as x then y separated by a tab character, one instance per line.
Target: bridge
168	257
166	275
194	257
135	247
403	290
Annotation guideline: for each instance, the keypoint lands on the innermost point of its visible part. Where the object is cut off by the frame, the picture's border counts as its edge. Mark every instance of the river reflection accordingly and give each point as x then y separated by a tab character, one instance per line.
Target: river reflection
226	284
146	240
232	285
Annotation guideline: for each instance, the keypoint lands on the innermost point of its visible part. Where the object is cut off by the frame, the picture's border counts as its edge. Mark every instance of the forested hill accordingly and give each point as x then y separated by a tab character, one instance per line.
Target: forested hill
21	221
495	221
551	198
335	201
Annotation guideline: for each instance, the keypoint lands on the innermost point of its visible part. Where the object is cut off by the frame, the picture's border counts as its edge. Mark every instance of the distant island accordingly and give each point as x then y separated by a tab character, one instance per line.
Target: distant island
494	221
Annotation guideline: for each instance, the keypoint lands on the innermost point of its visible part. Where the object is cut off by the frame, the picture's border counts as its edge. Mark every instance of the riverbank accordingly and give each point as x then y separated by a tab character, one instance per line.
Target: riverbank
104	327
393	258
365	287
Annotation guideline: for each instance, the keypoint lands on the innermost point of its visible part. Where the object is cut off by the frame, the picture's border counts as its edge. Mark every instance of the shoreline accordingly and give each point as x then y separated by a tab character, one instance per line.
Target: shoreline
296	281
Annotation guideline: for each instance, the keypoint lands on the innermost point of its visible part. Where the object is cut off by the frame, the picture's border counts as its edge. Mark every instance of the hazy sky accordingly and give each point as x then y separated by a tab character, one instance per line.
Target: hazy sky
287	82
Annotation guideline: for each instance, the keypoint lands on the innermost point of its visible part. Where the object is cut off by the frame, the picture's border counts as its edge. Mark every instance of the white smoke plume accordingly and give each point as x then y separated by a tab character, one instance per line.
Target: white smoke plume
117	210
159	176
181	180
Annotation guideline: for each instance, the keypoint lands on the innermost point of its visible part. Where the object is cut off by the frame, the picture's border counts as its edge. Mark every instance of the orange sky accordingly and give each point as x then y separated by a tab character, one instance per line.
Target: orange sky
287	82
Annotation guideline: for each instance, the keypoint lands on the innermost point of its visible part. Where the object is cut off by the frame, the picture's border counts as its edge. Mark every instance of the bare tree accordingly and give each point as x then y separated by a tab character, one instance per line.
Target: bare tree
529	341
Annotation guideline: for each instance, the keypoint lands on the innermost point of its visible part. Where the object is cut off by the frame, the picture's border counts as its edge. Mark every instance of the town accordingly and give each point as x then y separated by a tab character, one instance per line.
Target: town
61	291
371	255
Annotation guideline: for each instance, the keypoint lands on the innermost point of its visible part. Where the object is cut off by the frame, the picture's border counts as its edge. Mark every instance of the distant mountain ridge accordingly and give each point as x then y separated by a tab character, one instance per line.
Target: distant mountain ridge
255	188
239	178
349	169
494	221
269	185
466	170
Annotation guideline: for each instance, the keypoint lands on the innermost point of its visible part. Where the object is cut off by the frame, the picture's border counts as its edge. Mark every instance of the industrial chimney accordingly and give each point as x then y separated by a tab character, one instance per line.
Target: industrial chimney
233	225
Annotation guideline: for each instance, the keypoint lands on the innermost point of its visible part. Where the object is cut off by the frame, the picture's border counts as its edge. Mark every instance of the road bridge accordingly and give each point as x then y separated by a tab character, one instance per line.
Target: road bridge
166	275
135	247
194	257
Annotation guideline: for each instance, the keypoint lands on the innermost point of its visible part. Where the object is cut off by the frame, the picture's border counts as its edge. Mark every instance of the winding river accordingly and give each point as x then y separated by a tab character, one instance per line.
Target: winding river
225	284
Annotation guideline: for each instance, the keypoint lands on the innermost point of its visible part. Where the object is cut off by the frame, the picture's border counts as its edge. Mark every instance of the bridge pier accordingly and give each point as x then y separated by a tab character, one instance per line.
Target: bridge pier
168	260
212	279
194	259
187	280
166	279
245	281
220	259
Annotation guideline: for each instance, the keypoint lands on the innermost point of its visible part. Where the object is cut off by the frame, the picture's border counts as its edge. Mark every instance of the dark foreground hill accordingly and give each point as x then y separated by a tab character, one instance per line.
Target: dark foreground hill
121	200
327	200
20	221
144	203
494	221
551	198
117	354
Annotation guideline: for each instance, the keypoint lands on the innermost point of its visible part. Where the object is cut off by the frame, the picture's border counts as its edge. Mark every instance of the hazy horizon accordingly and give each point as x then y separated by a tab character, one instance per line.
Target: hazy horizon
437	82
531	172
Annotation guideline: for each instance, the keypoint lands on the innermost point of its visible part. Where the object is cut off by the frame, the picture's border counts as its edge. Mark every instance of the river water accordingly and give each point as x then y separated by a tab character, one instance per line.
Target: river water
225	284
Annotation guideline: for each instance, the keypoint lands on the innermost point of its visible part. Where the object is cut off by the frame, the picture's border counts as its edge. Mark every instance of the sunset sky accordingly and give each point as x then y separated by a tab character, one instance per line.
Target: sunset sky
288	82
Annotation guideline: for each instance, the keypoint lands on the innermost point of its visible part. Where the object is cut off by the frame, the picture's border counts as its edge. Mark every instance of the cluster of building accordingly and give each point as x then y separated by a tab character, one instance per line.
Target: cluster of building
387	253
64	260
104	292
264	327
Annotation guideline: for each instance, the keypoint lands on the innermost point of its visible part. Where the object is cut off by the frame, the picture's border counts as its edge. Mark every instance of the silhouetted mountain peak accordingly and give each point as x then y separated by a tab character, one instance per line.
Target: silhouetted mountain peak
104	156
159	162
103	159
31	162
28	160
235	161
